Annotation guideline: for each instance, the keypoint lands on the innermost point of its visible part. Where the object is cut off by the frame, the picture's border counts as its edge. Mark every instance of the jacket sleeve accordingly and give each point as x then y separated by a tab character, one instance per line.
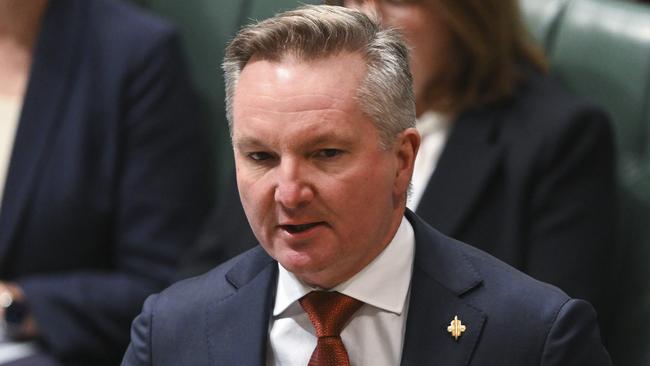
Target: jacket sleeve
574	338
164	189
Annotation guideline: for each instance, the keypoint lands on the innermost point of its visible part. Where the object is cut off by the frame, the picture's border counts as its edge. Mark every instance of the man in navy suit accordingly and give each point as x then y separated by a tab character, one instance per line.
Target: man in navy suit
321	112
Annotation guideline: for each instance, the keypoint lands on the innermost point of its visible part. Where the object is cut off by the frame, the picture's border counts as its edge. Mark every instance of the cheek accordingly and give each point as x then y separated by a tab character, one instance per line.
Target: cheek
371	189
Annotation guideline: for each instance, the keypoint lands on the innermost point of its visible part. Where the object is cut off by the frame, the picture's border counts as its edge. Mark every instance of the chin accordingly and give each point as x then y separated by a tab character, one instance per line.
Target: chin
303	266
296	262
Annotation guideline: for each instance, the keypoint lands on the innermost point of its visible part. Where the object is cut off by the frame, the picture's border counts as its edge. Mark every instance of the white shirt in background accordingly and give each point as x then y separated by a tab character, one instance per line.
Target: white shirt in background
434	129
9	115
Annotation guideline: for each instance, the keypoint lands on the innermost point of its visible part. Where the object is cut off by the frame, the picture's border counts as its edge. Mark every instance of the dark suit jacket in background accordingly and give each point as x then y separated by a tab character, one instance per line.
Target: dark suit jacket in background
222	317
529	180
108	180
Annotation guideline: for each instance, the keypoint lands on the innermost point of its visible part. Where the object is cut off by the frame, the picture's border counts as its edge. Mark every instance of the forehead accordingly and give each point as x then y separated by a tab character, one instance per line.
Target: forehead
336	76
289	90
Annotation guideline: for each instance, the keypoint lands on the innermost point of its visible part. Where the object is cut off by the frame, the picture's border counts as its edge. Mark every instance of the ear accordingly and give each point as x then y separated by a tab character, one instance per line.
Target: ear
406	149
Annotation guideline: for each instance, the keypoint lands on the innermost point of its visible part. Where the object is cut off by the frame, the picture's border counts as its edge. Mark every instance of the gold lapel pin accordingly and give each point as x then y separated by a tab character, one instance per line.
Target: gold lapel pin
456	328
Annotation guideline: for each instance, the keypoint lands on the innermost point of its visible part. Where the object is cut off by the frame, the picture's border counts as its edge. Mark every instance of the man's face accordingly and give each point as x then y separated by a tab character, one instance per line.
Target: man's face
323	198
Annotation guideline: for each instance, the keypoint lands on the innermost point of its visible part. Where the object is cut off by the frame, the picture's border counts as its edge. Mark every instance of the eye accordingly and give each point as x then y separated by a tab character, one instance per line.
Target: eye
259	156
328	153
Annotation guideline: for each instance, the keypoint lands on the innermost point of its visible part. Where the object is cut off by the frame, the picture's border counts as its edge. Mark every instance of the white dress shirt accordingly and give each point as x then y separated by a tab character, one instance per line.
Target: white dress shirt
375	334
434	129
9	115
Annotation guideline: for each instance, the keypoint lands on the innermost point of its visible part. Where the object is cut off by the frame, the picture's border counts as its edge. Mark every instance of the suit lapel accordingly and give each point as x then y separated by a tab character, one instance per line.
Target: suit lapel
441	275
50	77
238	325
469	159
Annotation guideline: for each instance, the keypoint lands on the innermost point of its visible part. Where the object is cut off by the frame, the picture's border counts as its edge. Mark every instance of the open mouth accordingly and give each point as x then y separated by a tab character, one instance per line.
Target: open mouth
299	228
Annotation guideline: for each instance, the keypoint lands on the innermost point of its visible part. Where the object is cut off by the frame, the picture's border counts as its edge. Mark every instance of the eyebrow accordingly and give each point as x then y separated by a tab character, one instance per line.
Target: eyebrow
248	142
330	137
325	138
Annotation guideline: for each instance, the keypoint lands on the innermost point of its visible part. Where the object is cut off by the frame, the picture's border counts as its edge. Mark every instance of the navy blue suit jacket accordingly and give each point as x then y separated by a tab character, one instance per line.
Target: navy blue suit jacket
222	317
109	179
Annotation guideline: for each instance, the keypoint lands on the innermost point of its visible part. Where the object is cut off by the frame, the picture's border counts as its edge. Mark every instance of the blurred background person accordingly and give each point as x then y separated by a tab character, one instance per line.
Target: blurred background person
510	163
105	174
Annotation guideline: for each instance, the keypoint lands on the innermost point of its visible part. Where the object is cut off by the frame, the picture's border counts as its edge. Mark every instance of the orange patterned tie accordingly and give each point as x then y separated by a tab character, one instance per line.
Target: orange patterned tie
329	312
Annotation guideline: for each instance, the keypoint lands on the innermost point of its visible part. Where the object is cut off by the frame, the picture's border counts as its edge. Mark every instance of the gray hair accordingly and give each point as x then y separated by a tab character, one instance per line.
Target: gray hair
318	31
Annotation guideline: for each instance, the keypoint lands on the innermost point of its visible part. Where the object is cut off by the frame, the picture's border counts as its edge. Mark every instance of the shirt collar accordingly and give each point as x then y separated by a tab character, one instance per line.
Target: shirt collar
383	283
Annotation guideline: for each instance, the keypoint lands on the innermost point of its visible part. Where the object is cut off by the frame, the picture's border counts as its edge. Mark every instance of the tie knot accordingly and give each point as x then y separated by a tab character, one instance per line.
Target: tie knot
329	312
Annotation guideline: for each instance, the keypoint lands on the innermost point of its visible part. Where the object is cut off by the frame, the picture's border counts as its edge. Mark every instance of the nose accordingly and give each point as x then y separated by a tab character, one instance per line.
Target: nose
292	189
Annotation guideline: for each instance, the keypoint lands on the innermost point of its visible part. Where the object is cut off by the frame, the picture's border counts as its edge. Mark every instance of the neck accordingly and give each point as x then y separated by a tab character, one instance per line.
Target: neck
20	20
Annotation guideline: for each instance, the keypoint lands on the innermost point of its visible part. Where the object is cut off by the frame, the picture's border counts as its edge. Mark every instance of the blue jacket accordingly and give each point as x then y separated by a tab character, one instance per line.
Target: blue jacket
222	317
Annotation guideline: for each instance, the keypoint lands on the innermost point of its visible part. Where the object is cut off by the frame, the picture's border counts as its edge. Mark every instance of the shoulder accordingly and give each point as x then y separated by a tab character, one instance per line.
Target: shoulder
535	322
126	19
208	288
486	283
543	126
500	280
212	284
542	108
515	290
474	274
526	321
113	29
184	314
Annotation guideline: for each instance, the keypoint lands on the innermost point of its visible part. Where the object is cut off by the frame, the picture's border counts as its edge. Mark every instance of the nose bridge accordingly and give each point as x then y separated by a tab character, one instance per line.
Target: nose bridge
292	188
289	172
